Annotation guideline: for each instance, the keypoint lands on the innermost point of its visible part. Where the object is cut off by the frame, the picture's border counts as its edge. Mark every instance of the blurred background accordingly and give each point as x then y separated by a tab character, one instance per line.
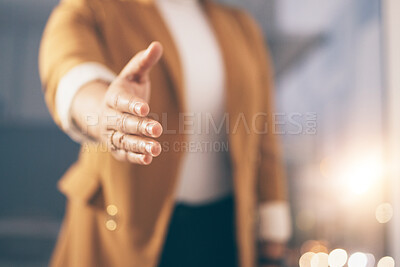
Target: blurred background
335	70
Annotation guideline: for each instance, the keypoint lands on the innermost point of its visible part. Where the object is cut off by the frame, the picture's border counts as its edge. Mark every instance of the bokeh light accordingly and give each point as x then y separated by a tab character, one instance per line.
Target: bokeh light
358	259
361	175
319	260
337	257
305	259
384	212
314	246
386	262
370	260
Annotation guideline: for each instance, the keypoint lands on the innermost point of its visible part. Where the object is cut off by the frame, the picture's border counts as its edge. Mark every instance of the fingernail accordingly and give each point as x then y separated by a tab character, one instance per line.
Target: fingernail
147	159
156	150
148	148
146	52
157	130
149	128
138	106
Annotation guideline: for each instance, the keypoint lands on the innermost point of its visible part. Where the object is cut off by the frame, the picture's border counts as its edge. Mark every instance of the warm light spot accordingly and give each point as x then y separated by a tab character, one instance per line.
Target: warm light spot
386	262
370	259
361	175
305	259
305	220
111	225
314	246
319	248
112	210
337	257
384	212
319	260
358	259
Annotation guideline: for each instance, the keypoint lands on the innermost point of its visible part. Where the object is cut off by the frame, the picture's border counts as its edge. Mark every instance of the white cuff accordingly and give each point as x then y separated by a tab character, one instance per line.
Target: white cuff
67	88
275	223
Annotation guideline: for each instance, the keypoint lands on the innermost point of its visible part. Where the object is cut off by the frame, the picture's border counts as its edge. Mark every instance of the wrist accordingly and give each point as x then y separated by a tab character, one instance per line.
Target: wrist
86	108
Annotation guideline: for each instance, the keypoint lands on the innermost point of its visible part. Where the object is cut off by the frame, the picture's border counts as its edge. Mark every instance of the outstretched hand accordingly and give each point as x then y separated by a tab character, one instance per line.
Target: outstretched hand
125	126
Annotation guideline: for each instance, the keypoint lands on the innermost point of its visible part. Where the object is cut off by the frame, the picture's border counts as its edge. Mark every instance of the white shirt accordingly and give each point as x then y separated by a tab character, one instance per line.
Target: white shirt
204	175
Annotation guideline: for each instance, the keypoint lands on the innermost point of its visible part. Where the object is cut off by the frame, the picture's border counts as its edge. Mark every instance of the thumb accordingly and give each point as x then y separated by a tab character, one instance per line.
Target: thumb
141	64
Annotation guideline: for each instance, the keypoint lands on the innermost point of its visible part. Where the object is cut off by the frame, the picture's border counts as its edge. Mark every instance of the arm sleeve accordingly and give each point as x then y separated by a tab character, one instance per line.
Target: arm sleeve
274	212
71	38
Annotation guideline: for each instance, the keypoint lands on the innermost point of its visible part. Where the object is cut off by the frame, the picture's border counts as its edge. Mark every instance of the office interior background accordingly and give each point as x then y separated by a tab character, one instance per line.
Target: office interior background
335	75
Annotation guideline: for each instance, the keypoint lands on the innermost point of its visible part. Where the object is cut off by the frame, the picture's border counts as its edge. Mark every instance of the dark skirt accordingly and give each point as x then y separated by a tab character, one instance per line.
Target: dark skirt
201	236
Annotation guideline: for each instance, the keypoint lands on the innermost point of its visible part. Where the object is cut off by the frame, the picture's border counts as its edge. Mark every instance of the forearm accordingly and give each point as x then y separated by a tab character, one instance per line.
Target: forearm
86	108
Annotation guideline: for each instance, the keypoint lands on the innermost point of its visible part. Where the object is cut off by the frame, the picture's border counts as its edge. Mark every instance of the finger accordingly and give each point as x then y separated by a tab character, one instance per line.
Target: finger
140	65
139	158
135	144
126	102
119	154
135	158
135	125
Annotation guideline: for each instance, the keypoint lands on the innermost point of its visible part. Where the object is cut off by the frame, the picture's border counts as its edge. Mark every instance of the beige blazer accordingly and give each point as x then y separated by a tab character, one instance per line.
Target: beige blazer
118	213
